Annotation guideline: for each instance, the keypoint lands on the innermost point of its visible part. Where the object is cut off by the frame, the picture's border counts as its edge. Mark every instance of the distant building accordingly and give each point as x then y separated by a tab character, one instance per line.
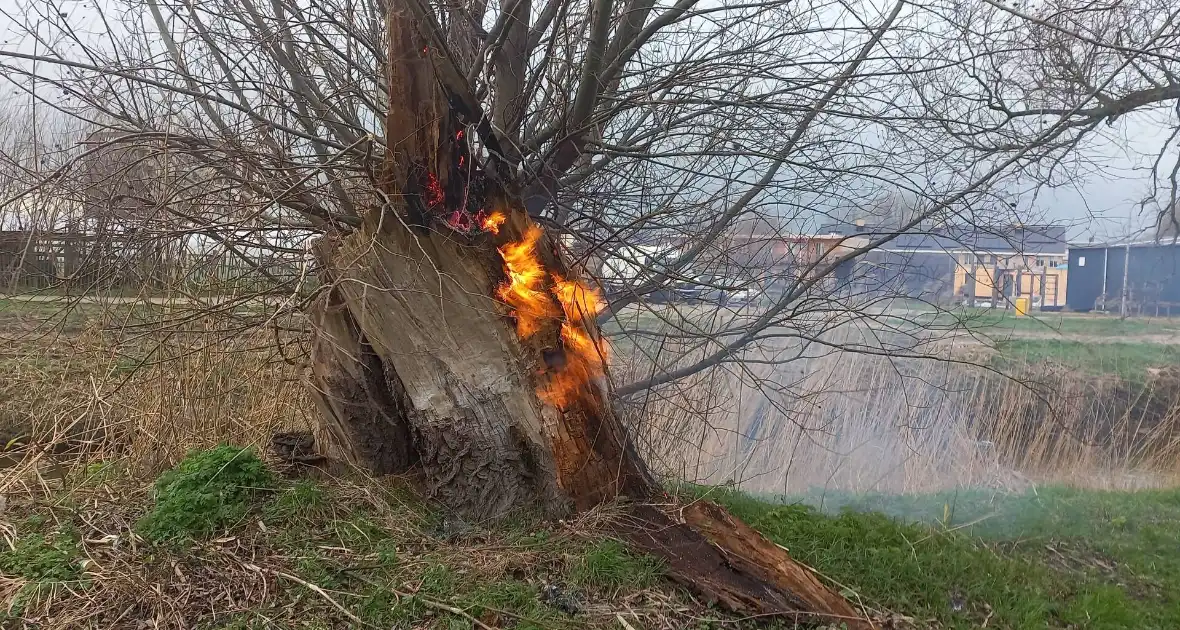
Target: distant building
984	266
754	253
788	255
1149	271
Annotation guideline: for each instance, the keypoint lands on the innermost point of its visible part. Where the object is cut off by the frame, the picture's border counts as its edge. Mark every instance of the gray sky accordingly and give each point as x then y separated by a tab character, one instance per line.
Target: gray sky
1102	201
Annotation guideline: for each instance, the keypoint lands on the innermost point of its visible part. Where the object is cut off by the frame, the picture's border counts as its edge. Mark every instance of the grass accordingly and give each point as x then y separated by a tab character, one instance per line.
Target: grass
315	554
48	313
607	565
1127	360
327	554
1057	558
310	554
999	322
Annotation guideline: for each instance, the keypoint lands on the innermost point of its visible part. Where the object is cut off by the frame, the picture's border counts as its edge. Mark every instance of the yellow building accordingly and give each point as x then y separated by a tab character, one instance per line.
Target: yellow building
981	265
998	279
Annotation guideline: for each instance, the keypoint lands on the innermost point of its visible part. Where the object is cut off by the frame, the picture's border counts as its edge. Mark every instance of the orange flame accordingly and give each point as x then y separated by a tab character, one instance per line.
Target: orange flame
584	354
493	221
525	289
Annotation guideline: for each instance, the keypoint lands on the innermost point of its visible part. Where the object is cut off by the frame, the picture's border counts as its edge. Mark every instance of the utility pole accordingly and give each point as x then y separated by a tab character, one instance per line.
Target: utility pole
1126	269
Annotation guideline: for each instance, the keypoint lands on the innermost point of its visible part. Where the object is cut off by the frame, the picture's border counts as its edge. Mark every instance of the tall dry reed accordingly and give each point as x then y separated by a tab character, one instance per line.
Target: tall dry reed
144	396
801	417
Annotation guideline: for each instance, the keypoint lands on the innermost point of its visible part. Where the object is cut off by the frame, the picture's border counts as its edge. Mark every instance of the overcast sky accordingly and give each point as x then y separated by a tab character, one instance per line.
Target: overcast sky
1103	203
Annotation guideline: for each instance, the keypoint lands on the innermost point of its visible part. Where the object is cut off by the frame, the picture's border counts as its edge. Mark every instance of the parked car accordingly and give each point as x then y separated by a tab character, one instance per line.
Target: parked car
736	297
690	291
664	295
723	291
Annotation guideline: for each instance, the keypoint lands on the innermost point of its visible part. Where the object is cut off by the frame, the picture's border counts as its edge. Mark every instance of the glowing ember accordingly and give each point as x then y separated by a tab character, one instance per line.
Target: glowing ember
580	362
525	289
434	191
492	222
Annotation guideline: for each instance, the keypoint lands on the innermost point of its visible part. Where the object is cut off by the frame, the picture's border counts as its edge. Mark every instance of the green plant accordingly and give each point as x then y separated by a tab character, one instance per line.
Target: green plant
303	500
36	557
607	564
208	491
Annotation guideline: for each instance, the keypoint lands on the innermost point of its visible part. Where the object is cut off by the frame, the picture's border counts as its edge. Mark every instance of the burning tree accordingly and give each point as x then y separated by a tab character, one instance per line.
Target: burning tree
516	410
428	157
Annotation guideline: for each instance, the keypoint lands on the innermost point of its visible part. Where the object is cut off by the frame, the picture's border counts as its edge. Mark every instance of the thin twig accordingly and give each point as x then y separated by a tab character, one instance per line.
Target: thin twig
322	593
446	608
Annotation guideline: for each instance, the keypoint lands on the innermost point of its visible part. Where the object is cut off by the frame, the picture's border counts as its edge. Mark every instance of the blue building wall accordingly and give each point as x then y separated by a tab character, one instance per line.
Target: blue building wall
1084	283
1153	277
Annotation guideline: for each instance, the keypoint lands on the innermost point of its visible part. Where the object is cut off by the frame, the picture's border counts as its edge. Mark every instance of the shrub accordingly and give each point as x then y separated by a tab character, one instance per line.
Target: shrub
207	492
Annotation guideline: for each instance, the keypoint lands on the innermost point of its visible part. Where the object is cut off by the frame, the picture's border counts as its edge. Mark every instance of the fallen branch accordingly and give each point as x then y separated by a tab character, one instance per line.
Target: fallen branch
722	560
429	603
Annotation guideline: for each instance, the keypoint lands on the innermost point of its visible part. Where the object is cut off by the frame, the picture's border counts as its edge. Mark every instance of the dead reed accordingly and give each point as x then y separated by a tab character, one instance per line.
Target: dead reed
831	419
143	396
824	419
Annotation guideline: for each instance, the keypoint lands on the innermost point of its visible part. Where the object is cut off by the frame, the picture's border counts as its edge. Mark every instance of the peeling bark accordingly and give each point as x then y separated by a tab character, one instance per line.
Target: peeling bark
363	419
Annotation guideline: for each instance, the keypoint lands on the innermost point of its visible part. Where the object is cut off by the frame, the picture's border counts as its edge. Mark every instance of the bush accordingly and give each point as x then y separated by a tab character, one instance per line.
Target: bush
209	491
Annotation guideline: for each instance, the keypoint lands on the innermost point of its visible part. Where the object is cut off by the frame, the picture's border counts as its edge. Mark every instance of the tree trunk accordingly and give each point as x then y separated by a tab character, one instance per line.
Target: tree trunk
453	340
417	364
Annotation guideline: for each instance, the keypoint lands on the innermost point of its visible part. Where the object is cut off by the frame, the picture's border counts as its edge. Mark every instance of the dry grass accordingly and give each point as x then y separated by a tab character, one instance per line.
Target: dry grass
97	411
328	554
143	397
826	419
832	420
139	401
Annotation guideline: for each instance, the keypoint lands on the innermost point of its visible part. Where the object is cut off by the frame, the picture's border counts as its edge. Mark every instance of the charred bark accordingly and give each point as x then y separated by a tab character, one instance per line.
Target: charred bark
724	561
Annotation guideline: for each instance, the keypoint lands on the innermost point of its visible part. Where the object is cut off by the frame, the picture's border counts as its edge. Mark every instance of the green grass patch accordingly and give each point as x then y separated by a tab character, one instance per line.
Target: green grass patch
610	566
1000	323
1126	360
302	502
207	492
1057	558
